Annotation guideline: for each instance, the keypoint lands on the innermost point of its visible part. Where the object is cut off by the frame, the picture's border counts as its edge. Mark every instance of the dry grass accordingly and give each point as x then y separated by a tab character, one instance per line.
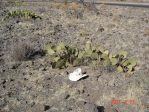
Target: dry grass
24	51
21	51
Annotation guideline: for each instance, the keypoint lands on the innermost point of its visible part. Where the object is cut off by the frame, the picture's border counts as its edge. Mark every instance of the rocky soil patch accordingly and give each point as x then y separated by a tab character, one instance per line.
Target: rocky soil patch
29	84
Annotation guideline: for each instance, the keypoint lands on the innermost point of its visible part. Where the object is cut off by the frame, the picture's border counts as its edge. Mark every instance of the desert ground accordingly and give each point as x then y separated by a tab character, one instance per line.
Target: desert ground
32	85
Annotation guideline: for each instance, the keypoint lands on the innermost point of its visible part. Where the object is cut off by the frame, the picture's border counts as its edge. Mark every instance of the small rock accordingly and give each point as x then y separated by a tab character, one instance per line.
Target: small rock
67	96
46	107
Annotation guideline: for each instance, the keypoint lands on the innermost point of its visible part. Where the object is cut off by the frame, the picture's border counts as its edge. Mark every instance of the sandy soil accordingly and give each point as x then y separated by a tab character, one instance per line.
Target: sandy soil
33	86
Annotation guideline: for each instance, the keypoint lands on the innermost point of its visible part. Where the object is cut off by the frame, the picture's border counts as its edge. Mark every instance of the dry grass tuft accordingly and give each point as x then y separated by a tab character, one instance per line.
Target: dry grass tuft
25	51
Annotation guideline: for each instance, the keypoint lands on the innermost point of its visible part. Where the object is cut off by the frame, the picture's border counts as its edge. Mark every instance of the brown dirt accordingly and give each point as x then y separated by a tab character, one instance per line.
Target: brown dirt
29	84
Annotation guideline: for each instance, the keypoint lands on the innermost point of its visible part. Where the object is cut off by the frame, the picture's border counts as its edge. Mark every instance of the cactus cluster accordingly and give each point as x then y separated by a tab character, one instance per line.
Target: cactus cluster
22	14
63	56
